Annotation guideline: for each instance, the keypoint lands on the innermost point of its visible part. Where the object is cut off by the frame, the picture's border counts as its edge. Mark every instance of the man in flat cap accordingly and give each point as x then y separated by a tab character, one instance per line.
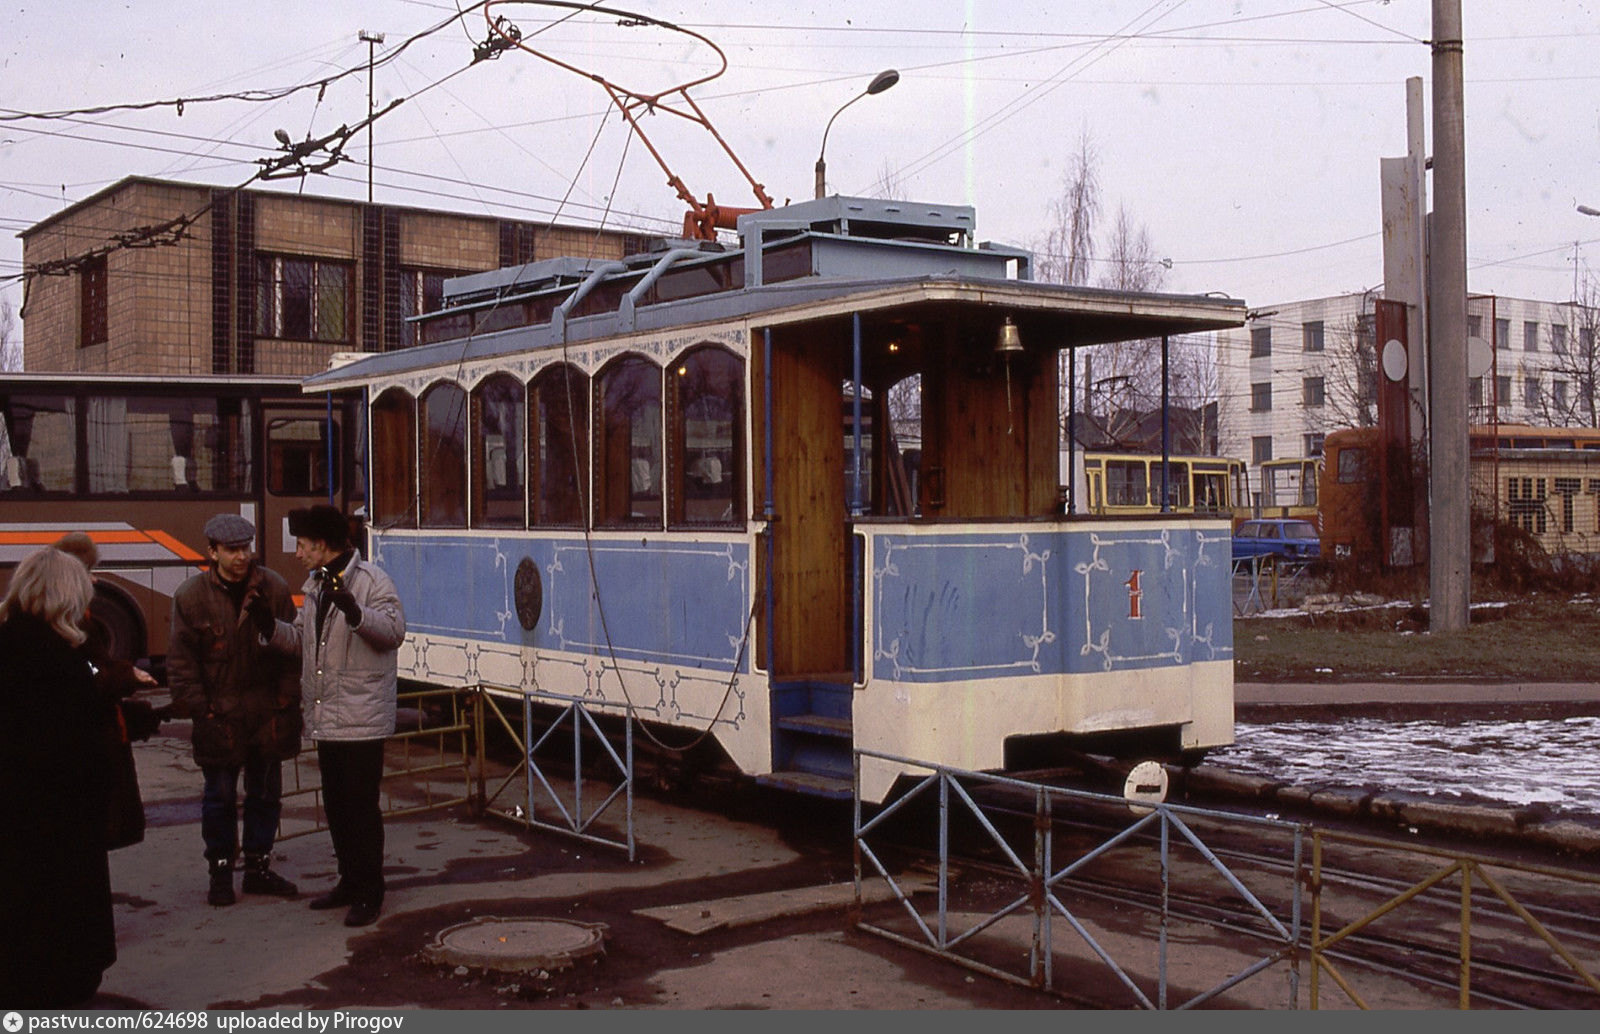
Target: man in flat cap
346	634
244	700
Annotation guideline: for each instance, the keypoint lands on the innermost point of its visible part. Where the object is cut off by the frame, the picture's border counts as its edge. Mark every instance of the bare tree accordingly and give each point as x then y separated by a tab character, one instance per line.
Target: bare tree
1351	384
888	186
10	340
1067	247
1568	399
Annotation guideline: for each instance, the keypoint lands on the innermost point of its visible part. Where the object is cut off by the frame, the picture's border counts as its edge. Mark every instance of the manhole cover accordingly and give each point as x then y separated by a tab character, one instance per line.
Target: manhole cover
516	945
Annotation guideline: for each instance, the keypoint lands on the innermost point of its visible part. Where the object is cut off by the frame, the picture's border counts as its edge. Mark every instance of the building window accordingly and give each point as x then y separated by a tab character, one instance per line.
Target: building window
1502	333
1502	389
443	459
1261	397
301	299
707	413
1260	342
1260	449
1475	391
1558	338
498	410
92	325
558	453
1567	490
421	291
1474	325
1530	336
629	443
1311	336
1586	341
1312	444
1313	391
1530	390
1525	498
1558	396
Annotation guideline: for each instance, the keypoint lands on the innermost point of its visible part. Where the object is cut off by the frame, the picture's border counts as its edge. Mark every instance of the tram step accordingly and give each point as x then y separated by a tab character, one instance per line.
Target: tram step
809	783
818	725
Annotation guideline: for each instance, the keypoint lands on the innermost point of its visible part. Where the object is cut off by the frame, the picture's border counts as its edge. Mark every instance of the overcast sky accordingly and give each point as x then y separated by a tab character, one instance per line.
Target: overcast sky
1245	135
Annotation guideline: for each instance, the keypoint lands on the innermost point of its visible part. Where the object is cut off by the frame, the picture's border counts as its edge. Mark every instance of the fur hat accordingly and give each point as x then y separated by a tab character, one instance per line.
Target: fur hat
229	529
323	523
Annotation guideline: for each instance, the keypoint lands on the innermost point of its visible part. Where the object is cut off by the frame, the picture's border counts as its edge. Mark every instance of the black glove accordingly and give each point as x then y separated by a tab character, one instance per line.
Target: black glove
141	719
345	600
260	612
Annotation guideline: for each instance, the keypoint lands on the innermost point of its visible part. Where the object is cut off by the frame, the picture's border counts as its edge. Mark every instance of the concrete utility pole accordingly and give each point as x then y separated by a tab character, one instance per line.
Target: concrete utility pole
1449	525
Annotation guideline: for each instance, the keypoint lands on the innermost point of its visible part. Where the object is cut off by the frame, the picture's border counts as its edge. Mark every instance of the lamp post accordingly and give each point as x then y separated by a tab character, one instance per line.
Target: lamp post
880	82
371	39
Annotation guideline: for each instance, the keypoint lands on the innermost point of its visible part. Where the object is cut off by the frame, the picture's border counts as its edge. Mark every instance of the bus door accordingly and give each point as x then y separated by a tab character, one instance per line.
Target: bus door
305	464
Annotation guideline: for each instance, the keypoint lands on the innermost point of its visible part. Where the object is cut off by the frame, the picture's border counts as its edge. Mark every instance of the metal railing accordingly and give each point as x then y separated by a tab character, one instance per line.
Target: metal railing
576	817
438	734
1452	924
1269	581
1037	890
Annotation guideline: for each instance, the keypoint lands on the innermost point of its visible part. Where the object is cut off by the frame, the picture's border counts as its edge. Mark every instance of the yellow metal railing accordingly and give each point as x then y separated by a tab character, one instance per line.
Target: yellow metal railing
1467	868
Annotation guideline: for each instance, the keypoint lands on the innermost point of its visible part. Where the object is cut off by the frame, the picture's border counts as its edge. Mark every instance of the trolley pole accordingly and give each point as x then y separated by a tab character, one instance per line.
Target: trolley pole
1449	520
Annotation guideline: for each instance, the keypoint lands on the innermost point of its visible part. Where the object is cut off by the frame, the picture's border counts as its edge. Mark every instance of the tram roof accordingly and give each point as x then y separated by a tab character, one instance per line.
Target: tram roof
878	265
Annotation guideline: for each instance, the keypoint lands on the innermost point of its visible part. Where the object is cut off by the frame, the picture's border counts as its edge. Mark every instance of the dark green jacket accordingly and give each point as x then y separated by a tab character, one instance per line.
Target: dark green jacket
244	699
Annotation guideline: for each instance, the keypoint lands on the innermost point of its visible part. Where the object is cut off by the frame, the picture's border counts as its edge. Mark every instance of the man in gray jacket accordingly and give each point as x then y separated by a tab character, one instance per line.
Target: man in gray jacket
346	635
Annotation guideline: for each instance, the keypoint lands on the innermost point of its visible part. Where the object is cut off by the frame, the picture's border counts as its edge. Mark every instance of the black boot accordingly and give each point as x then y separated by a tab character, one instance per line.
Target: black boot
221	892
260	879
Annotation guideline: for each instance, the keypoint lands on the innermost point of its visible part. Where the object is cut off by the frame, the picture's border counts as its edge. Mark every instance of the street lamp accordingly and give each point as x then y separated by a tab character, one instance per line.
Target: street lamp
1586	210
880	82
371	39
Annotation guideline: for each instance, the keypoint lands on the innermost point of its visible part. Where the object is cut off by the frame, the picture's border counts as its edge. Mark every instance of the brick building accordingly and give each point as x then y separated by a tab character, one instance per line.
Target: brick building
157	276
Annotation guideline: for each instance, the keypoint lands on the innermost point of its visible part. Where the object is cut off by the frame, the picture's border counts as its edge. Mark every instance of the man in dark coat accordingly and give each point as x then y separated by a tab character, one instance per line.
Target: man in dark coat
244	700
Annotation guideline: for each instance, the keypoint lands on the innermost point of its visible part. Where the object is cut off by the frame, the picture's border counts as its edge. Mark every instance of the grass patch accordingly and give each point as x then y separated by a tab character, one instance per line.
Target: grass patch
1536	638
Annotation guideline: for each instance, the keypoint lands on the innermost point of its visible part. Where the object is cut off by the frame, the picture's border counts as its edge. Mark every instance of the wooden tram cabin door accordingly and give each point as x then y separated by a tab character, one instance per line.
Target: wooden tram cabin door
951	430
306	463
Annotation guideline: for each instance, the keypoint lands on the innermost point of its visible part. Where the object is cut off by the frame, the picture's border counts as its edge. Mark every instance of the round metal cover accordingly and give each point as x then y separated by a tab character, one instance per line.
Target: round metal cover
528	593
516	945
1146	784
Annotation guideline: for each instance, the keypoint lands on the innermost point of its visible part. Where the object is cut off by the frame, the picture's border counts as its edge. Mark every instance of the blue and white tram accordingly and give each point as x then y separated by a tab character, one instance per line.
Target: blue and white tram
626	481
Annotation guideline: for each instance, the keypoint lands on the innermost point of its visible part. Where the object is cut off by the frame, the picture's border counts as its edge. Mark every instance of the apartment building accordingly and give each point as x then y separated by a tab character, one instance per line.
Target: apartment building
1298	370
157	276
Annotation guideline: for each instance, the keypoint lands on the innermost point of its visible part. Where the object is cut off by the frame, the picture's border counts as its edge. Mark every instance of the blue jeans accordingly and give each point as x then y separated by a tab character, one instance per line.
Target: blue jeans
219	808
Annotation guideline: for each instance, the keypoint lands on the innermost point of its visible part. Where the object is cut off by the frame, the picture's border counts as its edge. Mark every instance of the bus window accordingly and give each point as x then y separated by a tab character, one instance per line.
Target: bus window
297	457
167	445
38	443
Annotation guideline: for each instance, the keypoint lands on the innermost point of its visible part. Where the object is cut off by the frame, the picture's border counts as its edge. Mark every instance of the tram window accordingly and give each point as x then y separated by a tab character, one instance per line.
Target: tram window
443	458
167	445
297	457
707	417
1127	483
497	414
38	443
558	453
1177	486
628	393
394	463
1355	466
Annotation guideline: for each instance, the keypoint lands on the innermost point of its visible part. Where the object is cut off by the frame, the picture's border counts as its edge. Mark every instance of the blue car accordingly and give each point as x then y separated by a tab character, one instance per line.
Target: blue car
1281	537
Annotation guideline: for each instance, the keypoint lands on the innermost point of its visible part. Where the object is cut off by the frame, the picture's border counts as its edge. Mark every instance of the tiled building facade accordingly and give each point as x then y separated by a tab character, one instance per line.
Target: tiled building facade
1299	370
155	276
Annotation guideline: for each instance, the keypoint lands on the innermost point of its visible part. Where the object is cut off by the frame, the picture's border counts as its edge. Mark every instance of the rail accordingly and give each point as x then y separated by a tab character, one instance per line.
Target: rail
1035	890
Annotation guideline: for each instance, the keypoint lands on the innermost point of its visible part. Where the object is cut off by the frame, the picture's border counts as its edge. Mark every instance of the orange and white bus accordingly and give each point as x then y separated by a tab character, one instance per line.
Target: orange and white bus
140	463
